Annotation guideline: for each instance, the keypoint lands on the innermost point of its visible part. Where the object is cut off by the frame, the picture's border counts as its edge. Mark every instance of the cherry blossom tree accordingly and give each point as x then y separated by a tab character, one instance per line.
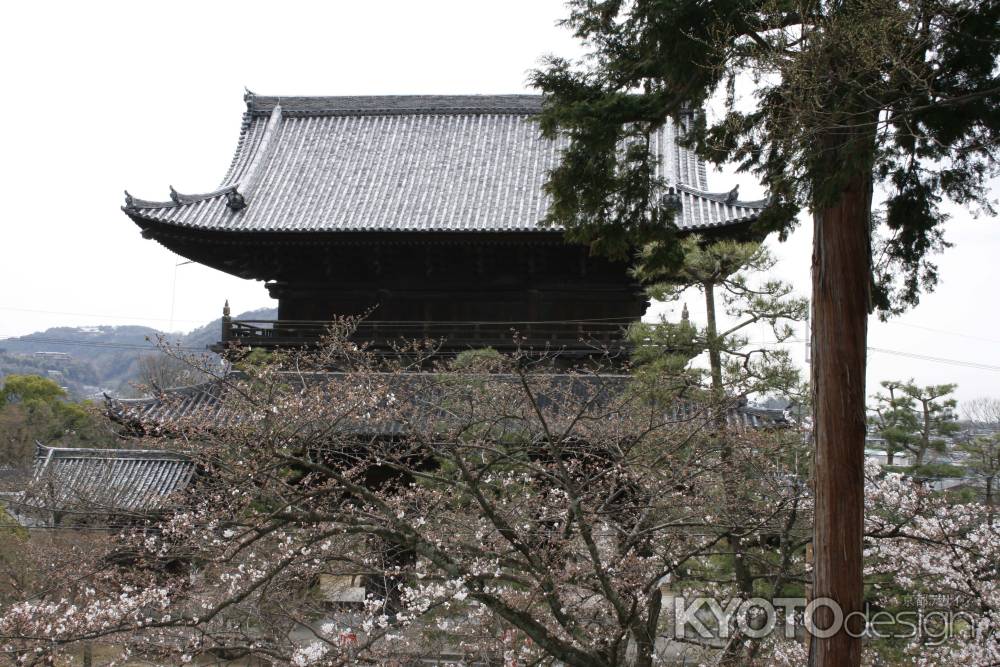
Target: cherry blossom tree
938	562
495	510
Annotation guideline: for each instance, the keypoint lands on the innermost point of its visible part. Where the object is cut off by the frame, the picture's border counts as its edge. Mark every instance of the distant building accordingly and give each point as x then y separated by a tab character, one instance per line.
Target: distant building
54	356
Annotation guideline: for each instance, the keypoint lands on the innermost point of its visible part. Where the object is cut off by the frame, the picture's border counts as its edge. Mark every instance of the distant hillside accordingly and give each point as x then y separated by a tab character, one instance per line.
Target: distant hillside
88	360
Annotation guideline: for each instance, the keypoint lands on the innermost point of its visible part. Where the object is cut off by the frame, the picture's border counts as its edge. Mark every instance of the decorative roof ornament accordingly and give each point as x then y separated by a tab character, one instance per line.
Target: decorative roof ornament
174	195
671	201
129	200
733	195
235	201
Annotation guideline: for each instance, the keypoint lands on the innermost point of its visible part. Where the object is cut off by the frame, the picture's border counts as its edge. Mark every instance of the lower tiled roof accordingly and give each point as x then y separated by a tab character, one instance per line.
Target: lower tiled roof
205	403
104	481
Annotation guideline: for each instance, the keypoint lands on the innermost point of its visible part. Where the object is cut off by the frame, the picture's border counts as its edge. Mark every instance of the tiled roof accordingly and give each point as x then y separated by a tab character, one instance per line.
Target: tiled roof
175	408
406	163
105	481
171	406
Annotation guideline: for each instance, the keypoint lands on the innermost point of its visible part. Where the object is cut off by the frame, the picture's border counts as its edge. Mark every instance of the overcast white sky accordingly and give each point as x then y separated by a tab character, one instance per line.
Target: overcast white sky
98	97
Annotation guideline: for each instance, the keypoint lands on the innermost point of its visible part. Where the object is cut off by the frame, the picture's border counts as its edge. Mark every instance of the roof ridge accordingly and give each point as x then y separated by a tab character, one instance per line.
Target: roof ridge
360	105
184	390
97	452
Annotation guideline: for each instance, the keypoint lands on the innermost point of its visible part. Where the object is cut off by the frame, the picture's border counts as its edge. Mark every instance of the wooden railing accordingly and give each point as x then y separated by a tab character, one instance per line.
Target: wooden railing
588	336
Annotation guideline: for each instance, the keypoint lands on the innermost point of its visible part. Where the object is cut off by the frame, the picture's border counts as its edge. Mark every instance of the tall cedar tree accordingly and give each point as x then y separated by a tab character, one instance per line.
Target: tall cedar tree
848	95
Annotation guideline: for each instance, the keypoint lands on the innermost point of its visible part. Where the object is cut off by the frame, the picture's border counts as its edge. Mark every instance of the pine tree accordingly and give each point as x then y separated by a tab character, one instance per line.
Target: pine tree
914	419
731	269
894	419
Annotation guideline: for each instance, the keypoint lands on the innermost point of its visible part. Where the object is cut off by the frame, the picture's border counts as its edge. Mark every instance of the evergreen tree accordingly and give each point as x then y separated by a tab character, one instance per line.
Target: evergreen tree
849	94
914	419
984	461
936	419
894	420
735	368
730	269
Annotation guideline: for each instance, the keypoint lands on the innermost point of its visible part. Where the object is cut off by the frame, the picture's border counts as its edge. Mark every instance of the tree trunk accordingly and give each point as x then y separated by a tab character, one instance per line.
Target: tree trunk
714	353
732	655
925	438
644	634
840	301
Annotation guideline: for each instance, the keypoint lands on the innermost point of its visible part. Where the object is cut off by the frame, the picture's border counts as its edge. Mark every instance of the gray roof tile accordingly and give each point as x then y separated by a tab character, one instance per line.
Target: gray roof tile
407	163
105	481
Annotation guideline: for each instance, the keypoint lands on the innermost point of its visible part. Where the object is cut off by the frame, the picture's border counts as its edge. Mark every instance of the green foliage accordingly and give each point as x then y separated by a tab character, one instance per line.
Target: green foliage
984	454
984	460
10	528
35	409
732	269
667	344
255	357
704	262
902	93
894	419
73	373
937	471
29	390
661	355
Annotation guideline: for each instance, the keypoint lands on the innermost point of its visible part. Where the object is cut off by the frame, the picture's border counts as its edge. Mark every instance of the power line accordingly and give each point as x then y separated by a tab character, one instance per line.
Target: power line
940	360
942	331
910	355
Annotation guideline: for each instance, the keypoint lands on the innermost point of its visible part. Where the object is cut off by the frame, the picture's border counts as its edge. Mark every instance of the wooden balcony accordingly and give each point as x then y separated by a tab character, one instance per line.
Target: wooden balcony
577	338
